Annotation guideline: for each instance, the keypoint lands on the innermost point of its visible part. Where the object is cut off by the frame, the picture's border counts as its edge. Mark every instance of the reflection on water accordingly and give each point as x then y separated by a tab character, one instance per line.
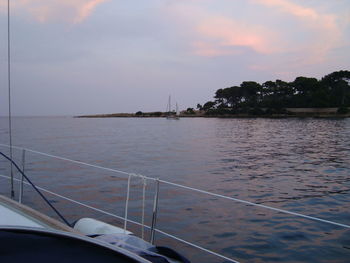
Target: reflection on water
302	165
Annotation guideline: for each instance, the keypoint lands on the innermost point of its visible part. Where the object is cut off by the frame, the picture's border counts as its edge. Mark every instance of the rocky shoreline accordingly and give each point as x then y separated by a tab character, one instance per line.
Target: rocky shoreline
291	113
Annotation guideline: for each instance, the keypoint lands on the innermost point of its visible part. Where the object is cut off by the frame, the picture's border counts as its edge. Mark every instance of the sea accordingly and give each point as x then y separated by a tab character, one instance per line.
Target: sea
301	165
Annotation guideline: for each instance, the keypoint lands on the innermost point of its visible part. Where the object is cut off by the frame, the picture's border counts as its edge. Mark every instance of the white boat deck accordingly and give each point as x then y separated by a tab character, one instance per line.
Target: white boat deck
13	213
11	217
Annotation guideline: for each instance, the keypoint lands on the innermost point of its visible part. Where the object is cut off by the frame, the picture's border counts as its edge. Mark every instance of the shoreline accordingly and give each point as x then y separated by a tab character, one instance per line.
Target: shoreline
226	116
284	113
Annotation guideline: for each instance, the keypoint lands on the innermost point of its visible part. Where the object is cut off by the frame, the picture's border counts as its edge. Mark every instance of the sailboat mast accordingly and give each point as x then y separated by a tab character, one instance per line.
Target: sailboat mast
9	93
169	103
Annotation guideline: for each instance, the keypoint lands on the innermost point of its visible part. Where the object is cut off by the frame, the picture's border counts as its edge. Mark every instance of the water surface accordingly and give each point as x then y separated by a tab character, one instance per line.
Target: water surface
301	165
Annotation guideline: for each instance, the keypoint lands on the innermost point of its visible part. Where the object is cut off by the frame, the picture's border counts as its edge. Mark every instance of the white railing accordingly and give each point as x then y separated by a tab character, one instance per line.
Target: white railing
152	228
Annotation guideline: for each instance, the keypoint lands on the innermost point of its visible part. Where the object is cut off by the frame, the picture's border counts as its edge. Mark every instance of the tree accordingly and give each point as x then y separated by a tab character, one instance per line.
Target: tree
338	86
332	91
269	94
190	111
228	97
304	91
220	96
251	92
276	94
305	86
209	105
285	93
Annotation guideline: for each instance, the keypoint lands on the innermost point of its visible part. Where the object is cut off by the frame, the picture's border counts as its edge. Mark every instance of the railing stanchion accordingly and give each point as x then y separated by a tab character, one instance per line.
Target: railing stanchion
143	207
155	210
20	197
127	204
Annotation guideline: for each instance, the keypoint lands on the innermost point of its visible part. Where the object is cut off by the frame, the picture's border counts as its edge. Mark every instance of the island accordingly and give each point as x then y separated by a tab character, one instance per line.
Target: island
303	97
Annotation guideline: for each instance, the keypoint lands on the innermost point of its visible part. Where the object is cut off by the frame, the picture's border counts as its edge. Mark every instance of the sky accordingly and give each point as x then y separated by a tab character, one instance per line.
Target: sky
73	57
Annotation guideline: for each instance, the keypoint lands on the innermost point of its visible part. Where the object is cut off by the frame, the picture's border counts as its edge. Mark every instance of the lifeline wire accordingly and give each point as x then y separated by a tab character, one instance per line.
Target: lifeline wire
129	220
187	187
36	189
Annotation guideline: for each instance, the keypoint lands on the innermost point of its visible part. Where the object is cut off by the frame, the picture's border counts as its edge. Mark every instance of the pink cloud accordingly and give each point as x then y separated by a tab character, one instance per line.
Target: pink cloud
74	11
311	16
223	36
311	38
327	33
289	7
211	34
86	9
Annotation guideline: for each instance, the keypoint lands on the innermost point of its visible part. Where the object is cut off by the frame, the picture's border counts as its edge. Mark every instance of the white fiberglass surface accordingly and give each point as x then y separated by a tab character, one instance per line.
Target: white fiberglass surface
11	217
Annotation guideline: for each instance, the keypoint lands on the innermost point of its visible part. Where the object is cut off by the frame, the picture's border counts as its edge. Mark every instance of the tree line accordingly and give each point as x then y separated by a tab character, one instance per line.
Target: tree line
333	90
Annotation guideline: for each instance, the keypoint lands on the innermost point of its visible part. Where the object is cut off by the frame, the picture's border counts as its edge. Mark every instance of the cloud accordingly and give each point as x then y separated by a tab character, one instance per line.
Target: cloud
211	34
73	11
86	9
291	8
283	37
224	36
310	41
323	27
311	16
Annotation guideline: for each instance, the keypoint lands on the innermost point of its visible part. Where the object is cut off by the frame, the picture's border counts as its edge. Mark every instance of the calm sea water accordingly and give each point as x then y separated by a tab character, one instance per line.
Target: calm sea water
300	165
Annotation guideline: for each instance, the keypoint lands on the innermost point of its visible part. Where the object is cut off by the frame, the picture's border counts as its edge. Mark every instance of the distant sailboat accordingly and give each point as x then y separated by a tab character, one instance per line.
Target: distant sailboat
177	110
171	115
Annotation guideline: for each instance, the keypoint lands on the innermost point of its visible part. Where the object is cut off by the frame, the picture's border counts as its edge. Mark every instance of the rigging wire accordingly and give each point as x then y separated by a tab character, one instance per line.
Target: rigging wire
9	93
131	221
184	187
37	190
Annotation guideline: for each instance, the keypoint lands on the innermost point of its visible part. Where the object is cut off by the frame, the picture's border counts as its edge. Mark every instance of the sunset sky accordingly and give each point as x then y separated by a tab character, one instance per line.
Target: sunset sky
74	57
